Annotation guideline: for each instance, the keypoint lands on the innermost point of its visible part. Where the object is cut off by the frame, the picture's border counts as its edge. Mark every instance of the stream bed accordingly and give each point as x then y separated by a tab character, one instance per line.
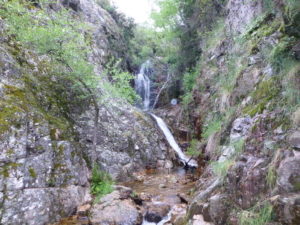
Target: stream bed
156	188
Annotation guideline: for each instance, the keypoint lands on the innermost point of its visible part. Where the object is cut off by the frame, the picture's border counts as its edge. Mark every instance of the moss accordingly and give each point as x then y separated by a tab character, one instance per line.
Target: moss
61	150
138	115
258	109
297	186
31	172
12	105
6	168
73	154
10	152
57	166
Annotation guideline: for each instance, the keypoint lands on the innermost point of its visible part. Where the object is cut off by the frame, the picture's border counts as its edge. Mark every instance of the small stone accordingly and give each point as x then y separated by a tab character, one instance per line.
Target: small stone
162	186
145	196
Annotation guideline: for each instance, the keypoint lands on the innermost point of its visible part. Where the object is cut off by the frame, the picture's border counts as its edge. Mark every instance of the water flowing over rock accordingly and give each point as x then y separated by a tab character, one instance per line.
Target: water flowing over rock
173	143
143	86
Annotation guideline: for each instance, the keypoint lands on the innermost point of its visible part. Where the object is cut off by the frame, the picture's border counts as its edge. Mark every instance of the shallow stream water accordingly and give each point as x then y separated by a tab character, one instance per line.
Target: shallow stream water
175	181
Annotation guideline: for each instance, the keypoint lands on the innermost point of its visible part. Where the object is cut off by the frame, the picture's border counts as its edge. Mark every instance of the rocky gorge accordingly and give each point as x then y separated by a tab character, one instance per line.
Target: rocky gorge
240	119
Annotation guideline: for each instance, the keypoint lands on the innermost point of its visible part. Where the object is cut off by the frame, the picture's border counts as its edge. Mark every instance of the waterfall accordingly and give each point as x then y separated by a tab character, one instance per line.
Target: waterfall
162	125
143	83
143	88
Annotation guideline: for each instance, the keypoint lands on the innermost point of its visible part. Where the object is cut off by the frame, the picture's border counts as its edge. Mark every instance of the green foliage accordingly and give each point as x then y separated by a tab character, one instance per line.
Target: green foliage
212	127
119	84
59	37
168	17
101	183
193	149
258	215
134	194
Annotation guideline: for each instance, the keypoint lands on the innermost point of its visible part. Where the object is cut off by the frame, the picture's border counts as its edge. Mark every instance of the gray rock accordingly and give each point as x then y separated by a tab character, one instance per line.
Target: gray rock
241	128
218	208
294	139
111	210
288	175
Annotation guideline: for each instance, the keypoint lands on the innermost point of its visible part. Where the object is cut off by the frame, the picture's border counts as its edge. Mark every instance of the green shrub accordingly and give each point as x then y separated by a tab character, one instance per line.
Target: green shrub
258	215
101	183
193	149
212	127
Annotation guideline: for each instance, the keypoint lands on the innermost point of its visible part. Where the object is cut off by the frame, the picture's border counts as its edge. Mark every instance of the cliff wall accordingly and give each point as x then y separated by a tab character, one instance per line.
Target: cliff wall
246	98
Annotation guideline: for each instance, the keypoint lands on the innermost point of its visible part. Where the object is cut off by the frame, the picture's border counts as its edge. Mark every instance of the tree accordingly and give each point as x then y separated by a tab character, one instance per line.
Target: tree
56	36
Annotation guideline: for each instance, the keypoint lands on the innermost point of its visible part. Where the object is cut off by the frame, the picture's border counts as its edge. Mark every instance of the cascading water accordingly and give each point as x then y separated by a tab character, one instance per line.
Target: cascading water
173	143
142	85
143	88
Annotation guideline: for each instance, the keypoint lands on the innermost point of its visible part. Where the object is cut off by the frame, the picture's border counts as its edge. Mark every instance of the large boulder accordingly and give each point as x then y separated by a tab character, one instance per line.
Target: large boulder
111	210
288	173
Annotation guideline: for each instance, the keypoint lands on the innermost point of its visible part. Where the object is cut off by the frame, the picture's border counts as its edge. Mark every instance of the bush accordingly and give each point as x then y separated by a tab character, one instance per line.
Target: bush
101	183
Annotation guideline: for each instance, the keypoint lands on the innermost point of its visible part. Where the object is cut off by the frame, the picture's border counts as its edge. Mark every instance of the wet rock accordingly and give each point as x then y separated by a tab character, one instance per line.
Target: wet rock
172	179
168	164
156	212
111	210
139	177
294	139
145	196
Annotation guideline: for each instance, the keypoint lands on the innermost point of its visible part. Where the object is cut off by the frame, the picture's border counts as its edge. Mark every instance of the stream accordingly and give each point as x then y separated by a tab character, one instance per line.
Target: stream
160	187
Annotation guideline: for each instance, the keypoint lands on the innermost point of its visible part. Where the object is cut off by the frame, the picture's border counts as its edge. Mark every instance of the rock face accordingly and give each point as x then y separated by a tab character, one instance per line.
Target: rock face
46	131
254	149
127	140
